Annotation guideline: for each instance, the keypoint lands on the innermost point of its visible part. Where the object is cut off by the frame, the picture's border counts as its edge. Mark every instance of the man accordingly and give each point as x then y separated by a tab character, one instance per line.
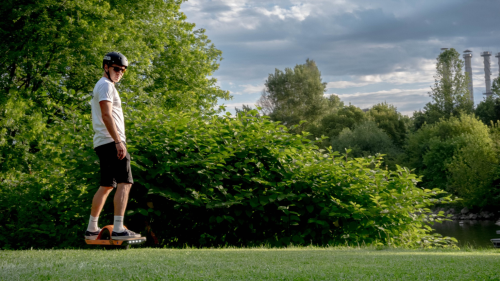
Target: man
109	144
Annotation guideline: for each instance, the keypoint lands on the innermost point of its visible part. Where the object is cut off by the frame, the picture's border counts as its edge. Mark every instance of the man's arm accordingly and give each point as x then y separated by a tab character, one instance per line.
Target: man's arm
107	117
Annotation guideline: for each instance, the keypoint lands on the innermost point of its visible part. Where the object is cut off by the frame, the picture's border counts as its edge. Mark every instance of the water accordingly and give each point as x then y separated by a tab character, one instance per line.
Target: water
476	233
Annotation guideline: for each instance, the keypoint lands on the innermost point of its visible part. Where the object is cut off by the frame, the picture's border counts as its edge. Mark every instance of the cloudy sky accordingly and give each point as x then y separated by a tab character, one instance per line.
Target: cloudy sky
367	51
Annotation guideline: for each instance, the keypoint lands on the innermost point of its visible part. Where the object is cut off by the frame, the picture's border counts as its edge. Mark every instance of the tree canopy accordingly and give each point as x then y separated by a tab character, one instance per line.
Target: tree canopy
49	46
295	95
364	140
450	94
391	122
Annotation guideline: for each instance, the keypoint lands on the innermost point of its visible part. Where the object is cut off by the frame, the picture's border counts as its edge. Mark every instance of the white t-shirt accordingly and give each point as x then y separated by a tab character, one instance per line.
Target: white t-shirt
105	90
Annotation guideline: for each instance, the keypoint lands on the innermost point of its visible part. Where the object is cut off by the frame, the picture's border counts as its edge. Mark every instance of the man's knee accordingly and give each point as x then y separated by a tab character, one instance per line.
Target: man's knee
104	189
125	187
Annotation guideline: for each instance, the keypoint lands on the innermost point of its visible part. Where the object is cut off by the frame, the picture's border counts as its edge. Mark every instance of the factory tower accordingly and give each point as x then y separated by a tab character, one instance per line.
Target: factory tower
487	72
468	72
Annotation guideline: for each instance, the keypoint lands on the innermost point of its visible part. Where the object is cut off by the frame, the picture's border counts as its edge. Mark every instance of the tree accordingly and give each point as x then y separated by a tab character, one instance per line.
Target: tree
49	46
345	117
447	151
21	125
488	110
333	104
52	55
391	122
473	170
365	139
265	103
295	95
495	87
450	94
245	109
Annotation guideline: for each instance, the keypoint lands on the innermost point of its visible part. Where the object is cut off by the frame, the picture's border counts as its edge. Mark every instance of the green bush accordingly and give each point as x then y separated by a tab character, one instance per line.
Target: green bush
393	123
215	180
364	140
472	171
456	155
239	181
48	174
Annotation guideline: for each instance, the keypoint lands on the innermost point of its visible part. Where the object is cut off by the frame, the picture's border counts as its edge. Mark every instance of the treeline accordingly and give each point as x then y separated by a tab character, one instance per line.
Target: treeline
451	144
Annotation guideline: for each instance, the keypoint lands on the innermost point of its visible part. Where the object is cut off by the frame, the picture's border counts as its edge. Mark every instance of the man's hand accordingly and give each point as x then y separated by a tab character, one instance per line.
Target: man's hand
122	150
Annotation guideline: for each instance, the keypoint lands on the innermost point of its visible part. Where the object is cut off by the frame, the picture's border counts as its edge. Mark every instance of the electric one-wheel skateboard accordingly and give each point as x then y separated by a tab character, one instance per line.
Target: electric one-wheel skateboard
104	239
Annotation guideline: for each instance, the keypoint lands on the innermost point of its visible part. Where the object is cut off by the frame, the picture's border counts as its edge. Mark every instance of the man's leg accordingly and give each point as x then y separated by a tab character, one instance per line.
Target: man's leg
120	201
99	199
125	181
97	205
121	198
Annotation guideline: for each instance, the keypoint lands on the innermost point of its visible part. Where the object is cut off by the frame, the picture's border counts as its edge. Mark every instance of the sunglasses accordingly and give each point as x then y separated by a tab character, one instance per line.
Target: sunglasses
118	69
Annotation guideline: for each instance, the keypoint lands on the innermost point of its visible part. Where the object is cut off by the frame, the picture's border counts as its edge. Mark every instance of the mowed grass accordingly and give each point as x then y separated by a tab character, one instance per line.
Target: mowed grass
251	264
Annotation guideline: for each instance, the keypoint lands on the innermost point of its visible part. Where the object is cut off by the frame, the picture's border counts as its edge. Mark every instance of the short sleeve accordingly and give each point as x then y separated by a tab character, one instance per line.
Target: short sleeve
105	92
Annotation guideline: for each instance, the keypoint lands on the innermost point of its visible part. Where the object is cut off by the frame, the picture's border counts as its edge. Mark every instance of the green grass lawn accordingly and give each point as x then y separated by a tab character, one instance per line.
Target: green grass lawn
251	264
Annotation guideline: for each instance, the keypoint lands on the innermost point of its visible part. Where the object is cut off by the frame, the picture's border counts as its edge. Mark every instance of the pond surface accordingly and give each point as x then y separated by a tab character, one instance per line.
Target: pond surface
474	232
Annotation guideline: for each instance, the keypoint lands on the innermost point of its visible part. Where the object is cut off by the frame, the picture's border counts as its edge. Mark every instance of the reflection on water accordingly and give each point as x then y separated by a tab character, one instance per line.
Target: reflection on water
473	232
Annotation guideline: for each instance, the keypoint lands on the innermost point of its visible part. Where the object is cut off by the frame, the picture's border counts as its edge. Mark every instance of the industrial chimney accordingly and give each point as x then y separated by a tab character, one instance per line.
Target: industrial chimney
468	71
487	72
498	56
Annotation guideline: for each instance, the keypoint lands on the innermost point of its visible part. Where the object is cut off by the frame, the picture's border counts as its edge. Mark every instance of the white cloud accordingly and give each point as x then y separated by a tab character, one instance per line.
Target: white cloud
388	93
250	14
422	74
251	89
407	101
299	12
345	84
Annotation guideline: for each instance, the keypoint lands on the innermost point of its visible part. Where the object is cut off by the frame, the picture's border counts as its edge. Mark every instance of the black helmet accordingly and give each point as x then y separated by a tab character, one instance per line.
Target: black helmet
114	58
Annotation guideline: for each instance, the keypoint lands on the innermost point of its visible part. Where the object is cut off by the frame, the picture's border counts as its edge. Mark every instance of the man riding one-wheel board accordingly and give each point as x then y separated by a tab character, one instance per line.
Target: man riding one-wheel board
110	147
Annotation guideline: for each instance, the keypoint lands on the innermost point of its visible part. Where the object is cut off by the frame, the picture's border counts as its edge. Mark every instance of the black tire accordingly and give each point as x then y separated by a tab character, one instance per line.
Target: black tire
105	235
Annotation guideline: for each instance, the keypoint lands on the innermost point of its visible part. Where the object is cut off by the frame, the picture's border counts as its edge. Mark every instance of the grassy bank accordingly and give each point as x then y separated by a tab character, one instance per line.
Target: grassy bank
248	264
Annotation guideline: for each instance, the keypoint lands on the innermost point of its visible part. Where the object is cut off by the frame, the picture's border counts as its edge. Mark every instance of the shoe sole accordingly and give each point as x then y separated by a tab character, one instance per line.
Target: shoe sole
124	237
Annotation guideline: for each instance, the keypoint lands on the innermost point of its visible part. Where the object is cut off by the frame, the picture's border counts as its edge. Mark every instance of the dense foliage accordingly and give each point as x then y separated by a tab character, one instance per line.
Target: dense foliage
212	180
447	144
364	140
49	46
457	155
393	123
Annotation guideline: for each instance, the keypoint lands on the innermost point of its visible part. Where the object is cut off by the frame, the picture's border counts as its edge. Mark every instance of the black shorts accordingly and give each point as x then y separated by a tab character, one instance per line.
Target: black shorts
113	170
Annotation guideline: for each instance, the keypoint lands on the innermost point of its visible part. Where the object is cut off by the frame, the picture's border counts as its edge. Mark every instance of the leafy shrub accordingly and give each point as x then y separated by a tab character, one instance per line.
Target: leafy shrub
472	171
488	110
214	180
21	124
335	120
238	181
366	139
456	155
46	192
393	123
